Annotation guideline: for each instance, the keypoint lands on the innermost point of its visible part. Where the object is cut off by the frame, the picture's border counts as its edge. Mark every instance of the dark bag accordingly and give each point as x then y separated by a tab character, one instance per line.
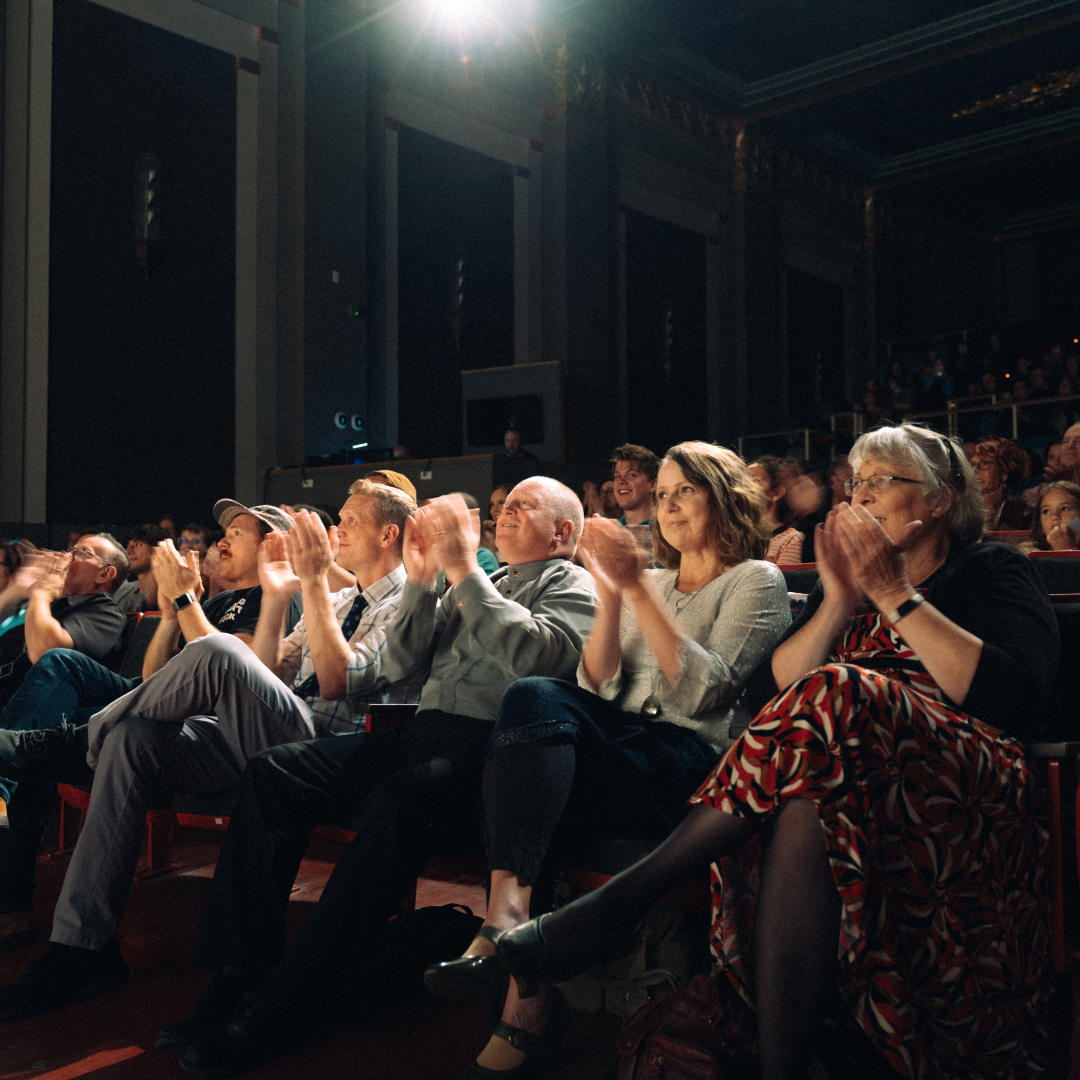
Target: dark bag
704	1031
412	941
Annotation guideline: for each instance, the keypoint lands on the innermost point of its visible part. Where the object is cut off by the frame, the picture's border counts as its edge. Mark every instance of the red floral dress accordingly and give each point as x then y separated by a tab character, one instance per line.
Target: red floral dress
935	847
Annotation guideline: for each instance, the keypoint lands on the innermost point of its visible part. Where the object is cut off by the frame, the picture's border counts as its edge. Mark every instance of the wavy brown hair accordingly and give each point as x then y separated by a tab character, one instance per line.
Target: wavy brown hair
1038	534
736	505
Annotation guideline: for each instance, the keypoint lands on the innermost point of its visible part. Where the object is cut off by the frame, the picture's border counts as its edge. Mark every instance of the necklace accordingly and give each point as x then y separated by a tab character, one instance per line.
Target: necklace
684	600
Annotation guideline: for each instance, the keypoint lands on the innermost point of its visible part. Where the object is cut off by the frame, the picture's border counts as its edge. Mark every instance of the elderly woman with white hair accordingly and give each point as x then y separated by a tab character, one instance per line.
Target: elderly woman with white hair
875	845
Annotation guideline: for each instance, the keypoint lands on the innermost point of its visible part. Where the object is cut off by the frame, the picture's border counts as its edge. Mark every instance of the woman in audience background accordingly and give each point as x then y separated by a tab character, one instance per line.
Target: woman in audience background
658	699
899	831
13	554
773	474
999	462
1051	529
487	528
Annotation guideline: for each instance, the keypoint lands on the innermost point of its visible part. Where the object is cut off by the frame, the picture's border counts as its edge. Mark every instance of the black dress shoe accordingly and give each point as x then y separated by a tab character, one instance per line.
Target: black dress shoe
215	1007
63	974
56	753
467	975
257	1032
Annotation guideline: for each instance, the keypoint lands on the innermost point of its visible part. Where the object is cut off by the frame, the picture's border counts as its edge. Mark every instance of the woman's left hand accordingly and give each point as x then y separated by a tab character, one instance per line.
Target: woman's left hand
876	560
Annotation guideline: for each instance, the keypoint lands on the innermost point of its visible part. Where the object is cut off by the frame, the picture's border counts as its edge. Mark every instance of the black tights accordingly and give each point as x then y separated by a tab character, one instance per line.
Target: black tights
796	928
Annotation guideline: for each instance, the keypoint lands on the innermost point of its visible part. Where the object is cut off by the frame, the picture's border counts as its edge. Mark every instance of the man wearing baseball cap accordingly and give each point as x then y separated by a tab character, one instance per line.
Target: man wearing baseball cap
234	611
190	728
69	684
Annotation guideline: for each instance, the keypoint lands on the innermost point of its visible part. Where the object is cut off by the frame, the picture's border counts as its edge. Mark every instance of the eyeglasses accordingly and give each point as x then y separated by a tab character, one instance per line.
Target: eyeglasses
86	553
184	540
984	465
876	484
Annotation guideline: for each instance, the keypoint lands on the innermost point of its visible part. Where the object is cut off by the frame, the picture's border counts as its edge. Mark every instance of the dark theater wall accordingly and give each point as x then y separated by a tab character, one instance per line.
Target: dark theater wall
141	360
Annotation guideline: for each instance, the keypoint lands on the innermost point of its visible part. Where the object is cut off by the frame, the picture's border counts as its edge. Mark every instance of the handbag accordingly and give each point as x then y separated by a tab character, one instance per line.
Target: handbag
704	1031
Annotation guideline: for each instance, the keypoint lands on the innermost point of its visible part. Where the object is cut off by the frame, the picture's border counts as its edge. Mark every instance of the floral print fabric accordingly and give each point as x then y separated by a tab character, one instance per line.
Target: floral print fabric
935	846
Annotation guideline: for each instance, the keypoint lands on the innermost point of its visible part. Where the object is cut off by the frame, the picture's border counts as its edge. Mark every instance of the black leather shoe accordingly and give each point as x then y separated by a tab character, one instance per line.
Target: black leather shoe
63	974
257	1032
531	960
467	975
56	753
215	1007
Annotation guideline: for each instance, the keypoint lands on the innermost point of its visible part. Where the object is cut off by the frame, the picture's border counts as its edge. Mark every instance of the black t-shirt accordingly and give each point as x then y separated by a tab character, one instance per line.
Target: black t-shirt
236	611
992	591
95	624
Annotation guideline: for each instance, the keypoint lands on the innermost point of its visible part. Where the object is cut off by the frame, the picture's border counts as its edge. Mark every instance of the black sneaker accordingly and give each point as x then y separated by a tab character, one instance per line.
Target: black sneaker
63	974
258	1032
56	753
215	1007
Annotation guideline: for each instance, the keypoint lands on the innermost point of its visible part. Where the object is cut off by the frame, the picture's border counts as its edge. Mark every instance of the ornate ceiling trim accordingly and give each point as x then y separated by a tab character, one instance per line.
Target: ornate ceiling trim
1021	137
971	32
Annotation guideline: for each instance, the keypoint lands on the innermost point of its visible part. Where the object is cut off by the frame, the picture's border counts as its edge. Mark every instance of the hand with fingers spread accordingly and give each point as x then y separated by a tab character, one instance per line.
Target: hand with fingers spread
276	573
309	547
877	561
175	575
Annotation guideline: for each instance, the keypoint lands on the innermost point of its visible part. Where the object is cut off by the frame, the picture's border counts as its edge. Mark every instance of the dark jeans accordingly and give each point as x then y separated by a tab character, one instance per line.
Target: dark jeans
564	762
408	792
62	685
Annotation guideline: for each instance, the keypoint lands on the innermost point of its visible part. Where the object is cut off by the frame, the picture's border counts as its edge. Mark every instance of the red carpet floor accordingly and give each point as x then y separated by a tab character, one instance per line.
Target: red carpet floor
112	1036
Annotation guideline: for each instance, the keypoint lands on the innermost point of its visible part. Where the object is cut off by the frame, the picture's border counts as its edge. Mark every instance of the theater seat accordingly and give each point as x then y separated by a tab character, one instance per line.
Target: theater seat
1059	570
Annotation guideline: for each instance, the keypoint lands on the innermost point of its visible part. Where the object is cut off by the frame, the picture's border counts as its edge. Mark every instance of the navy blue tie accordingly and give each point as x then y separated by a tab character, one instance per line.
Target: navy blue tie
310	686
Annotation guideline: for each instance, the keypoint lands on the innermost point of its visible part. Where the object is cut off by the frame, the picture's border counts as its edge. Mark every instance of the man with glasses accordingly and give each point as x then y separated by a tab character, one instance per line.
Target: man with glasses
72	682
69	607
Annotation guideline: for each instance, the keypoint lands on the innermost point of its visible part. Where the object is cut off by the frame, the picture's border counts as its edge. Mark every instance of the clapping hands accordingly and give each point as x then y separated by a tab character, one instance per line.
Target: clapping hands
175	574
442	533
611	554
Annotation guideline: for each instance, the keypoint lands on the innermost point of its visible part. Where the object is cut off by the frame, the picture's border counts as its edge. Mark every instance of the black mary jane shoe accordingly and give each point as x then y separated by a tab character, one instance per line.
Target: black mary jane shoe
545	1046
467	975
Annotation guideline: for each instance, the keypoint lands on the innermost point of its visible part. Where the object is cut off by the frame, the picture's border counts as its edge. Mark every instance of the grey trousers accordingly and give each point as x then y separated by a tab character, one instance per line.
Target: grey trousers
150	745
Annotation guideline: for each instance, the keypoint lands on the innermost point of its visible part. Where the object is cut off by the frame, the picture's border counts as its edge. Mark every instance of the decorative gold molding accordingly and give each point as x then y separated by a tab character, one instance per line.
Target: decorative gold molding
1029	94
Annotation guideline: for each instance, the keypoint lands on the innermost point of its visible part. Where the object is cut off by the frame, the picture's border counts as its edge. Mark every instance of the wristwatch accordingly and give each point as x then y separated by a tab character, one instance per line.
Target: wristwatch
906	608
182	601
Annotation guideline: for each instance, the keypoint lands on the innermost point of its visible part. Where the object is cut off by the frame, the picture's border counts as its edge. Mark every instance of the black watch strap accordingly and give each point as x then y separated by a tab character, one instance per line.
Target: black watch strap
183	601
907	607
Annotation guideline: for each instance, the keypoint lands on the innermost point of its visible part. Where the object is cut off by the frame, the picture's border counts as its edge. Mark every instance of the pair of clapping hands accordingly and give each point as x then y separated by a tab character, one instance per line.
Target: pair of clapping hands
443	534
611	554
42	571
857	559
286	560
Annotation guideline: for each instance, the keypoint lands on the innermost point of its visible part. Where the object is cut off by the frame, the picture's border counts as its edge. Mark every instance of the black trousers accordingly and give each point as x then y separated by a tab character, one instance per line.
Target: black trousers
408	792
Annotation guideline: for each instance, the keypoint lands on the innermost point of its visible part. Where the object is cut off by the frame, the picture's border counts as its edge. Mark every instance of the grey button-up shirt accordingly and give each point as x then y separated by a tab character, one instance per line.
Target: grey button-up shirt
531	619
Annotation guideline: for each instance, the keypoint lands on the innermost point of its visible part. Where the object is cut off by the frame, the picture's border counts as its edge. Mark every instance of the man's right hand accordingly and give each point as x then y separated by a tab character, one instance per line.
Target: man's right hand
175	575
309	547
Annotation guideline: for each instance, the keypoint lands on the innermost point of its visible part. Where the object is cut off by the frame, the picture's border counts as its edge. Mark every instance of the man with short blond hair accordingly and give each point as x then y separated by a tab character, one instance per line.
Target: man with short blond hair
634	470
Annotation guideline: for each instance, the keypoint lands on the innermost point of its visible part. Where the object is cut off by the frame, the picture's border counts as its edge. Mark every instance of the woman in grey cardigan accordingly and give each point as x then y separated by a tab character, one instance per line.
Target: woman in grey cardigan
657	700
